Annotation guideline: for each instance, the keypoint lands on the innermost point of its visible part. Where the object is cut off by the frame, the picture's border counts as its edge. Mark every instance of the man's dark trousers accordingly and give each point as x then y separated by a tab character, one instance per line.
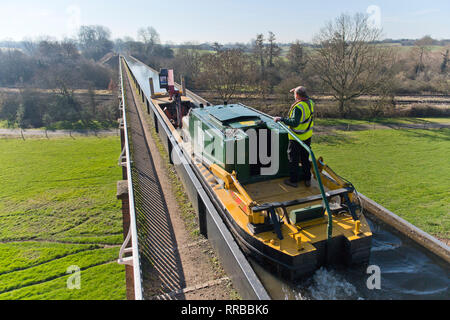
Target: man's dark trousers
297	154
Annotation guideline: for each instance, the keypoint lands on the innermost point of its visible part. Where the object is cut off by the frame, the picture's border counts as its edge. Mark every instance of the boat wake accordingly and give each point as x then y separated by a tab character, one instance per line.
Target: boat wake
329	285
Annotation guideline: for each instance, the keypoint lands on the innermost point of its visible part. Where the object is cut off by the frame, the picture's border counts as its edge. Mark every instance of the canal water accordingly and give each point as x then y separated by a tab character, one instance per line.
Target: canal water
142	72
407	271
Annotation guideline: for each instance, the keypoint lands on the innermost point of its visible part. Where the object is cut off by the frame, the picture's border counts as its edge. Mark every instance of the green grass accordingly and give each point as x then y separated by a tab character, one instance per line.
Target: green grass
380	121
438	120
102	282
406	171
58	208
55	268
339	122
20	255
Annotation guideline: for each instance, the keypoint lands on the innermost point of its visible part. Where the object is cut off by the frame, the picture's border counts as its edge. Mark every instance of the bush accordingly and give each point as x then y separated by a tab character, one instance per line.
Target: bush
8	109
62	110
95	75
285	86
428	111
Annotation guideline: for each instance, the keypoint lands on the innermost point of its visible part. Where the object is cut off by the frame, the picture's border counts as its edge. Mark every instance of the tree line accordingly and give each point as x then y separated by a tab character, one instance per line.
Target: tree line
347	59
48	72
61	68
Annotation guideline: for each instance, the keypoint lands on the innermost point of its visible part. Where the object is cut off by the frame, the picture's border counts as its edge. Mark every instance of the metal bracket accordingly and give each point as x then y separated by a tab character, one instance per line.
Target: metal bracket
351	206
121	162
123	249
276	223
121	123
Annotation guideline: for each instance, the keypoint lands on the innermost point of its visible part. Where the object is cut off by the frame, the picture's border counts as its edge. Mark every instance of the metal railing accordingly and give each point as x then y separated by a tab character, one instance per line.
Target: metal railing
132	232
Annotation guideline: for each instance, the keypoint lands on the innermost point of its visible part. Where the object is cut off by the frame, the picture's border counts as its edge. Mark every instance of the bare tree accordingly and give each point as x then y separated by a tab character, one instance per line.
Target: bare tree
95	41
259	53
273	50
30	47
187	62
69	49
16	68
444	64
296	57
348	61
226	72
421	50
150	37
217	46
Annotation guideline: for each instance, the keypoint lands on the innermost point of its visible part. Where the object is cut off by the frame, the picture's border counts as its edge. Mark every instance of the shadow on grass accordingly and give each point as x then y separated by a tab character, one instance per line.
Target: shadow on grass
431	135
342	126
401	121
404	123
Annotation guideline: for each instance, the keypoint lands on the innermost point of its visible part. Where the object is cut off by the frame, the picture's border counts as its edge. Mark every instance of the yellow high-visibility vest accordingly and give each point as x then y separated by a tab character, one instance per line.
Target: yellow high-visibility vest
304	130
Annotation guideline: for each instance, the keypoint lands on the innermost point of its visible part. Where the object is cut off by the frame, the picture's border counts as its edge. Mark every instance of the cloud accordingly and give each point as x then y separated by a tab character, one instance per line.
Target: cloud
374	18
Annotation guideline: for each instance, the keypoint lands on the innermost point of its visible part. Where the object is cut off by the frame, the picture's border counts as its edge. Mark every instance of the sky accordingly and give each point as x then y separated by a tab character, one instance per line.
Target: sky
225	21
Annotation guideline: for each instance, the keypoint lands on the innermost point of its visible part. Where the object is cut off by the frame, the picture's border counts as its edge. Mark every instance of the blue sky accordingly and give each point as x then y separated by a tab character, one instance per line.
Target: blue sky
224	21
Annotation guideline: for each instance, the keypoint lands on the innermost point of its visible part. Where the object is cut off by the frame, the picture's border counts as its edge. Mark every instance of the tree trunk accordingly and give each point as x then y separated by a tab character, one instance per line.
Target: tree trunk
342	106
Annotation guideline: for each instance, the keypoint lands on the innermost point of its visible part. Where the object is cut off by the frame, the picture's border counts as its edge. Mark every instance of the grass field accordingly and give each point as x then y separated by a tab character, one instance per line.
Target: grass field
58	206
58	209
406	171
380	121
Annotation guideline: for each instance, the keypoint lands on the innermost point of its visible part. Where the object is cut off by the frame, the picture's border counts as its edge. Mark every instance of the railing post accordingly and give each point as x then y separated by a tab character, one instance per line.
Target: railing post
183	86
152	88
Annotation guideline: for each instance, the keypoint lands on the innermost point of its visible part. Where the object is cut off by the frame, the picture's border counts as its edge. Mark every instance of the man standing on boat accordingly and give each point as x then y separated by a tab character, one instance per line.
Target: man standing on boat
301	122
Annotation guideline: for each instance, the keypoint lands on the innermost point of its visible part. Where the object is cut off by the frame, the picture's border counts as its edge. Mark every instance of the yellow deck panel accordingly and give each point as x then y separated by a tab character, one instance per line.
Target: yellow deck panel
310	231
277	191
